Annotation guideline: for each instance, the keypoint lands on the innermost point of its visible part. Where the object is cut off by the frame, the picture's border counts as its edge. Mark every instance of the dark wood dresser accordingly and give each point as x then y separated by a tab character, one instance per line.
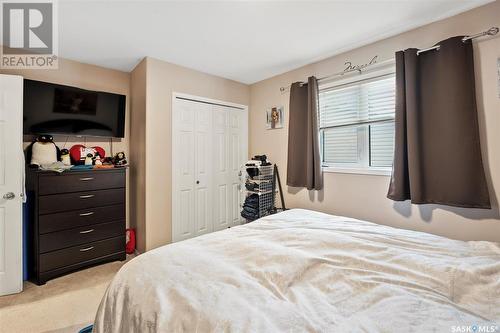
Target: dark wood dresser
76	219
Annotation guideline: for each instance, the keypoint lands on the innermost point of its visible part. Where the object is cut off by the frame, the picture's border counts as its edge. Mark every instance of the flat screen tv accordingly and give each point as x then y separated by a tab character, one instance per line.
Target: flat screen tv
57	109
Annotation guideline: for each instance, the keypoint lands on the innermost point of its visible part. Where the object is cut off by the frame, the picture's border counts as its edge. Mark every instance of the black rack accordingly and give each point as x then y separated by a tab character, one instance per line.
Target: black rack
259	188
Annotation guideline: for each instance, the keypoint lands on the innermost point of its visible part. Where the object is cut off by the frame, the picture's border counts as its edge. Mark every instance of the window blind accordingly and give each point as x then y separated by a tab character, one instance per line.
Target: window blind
340	145
357	123
381	144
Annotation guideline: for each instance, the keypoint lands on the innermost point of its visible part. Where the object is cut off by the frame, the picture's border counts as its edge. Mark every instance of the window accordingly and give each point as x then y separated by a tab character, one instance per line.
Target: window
356	123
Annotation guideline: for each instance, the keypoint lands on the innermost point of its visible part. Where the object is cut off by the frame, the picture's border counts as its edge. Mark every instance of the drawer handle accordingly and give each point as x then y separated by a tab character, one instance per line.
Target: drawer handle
87	214
86	196
86	179
86	249
86	231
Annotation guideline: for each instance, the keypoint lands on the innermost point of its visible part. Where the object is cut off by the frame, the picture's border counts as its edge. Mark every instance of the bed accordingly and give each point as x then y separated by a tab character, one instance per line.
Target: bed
301	270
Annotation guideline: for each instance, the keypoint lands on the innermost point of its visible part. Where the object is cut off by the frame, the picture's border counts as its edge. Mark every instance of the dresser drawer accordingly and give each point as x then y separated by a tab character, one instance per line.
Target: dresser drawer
76	254
80	181
79	218
77	236
81	200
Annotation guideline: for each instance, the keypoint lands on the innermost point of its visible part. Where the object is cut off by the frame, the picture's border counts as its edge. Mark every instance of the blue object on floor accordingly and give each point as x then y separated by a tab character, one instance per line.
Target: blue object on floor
87	329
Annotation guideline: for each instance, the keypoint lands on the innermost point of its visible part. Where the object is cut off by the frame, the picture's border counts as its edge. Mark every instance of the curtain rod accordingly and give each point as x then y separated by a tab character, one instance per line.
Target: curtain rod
490	32
347	72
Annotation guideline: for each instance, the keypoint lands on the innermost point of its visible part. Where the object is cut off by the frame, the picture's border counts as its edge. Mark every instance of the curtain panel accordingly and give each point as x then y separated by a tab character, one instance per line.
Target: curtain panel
304	162
437	157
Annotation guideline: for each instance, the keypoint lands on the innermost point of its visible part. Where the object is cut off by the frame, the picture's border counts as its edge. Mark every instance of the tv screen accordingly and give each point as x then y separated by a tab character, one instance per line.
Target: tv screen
57	109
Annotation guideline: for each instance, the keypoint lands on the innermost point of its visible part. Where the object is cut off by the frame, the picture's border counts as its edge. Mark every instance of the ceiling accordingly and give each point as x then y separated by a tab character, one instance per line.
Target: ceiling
244	41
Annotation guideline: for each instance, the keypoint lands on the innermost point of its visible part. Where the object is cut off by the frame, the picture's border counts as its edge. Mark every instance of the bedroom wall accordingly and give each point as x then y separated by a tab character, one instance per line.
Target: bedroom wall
73	73
364	196
137	169
162	79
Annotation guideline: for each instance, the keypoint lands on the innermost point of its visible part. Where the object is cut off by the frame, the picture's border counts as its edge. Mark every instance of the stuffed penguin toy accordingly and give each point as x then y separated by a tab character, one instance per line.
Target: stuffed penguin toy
89	159
65	158
97	159
43	151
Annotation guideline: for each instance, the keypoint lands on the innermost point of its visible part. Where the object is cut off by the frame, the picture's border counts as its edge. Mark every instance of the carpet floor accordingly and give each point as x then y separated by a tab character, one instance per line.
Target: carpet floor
65	304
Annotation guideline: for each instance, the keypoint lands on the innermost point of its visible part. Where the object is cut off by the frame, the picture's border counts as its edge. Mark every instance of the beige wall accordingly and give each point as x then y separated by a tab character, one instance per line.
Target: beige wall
73	73
163	79
137	169
364	196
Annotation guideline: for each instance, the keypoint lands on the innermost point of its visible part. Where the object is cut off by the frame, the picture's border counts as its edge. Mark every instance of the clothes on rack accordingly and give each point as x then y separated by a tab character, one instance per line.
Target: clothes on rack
260	183
246	215
255	163
251	186
251	210
252	200
251	207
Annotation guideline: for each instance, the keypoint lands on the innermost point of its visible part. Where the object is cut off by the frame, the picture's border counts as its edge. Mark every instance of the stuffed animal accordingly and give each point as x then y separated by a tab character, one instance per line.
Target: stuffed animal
89	159
97	159
65	157
119	159
78	153
43	151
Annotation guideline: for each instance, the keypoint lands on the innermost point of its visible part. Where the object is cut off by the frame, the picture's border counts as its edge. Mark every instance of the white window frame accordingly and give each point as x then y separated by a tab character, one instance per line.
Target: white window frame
363	167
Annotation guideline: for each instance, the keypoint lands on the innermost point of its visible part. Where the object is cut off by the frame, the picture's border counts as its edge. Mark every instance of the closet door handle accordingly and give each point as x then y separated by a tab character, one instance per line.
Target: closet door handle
86	249
197	182
86	196
86	231
86	179
86	214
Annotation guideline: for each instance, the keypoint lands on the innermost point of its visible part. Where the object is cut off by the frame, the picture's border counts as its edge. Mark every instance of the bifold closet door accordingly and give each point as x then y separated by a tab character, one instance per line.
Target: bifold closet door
230	152
209	145
192	169
238	155
222	195
11	184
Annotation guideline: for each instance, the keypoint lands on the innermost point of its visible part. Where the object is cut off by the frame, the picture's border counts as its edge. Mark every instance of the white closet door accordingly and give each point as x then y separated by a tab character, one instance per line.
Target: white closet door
222	195
191	181
203	168
230	152
238	155
11	169
183	170
209	145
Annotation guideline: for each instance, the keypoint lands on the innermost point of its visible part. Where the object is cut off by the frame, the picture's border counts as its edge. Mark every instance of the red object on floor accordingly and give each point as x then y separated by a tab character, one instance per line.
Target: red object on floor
130	247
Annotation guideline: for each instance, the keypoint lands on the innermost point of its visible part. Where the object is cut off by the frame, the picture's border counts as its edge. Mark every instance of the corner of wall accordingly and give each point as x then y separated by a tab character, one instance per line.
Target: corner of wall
138	82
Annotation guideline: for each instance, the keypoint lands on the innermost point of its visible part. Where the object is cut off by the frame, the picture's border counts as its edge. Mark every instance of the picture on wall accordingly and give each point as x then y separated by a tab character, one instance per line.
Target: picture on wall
275	116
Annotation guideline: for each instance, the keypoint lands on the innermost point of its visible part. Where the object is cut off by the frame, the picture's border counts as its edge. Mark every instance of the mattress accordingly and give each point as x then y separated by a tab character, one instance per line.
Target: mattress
301	270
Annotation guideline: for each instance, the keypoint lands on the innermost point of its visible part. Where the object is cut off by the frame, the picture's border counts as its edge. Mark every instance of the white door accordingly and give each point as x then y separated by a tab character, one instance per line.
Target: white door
222	195
183	171
238	155
203	168
11	171
191	169
209	146
230	153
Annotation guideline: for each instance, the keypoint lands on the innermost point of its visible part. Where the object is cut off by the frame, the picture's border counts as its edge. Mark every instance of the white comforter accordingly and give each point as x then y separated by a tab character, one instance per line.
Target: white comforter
306	271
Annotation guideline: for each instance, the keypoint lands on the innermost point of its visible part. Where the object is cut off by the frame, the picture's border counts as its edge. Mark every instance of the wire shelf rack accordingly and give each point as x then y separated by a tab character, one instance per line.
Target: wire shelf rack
258	191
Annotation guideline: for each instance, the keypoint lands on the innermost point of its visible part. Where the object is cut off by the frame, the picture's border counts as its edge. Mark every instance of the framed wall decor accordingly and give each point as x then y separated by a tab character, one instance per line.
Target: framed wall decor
275	117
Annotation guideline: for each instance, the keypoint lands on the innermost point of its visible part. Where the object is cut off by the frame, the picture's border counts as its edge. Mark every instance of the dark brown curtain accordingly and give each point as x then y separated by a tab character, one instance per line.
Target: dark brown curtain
304	163
437	156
